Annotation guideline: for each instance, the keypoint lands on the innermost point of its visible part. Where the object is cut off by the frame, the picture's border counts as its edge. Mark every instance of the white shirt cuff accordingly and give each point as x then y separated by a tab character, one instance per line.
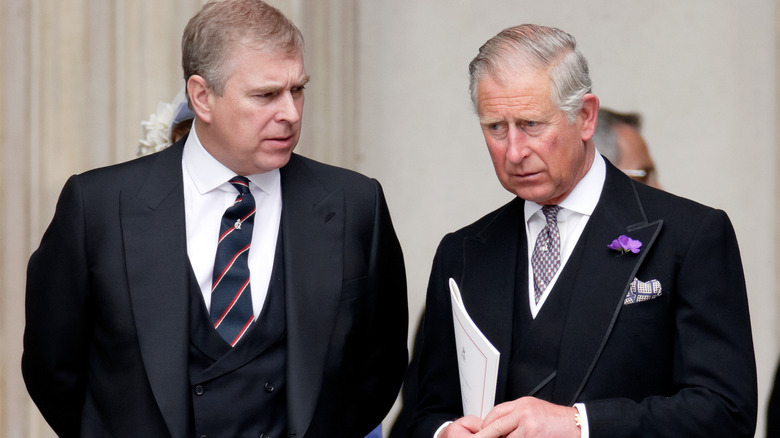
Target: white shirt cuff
584	429
438	431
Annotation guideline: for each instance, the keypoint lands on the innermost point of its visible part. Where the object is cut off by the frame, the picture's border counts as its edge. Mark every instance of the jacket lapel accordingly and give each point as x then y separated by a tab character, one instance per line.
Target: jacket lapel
601	281
153	228
313	221
489	298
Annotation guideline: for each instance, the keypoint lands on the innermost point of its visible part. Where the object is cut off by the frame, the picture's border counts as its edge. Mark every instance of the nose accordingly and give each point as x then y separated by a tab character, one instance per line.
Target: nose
517	147
288	109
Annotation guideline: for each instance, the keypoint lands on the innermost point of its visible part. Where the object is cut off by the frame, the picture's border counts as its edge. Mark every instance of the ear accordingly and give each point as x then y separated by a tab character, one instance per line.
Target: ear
589	116
200	97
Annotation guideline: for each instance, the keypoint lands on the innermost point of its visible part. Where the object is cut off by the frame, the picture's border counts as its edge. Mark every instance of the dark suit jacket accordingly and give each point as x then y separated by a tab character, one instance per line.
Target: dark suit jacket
680	365
105	346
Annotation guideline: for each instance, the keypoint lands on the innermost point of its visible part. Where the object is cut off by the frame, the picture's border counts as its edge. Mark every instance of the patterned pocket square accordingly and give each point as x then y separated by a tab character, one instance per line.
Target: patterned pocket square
642	291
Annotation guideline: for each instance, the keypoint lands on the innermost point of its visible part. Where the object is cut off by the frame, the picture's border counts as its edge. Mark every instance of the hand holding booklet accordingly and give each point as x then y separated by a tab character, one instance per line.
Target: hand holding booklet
477	360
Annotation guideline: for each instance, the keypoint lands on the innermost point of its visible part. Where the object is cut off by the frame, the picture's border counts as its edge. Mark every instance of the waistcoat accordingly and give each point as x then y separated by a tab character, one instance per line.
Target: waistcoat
240	391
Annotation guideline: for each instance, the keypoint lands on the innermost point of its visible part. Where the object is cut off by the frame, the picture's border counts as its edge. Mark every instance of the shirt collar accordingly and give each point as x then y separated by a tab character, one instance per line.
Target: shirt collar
584	197
207	173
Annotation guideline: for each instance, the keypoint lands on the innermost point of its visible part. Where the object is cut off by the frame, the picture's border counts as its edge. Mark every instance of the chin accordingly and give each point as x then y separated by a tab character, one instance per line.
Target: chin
533	196
276	163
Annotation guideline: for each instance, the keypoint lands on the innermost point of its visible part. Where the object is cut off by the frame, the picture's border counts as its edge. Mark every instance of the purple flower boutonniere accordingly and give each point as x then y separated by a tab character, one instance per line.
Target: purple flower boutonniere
625	244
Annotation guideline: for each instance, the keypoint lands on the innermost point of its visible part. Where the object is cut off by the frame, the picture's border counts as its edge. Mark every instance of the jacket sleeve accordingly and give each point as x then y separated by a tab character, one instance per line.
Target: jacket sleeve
438	398
54	362
383	338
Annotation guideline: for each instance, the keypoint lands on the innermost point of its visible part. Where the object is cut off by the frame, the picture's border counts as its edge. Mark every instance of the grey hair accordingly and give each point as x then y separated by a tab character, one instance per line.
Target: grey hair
537	47
212	33
605	137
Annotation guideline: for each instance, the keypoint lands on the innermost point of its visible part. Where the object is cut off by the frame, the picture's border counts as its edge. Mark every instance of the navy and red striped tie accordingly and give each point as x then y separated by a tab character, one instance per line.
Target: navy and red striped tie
231	299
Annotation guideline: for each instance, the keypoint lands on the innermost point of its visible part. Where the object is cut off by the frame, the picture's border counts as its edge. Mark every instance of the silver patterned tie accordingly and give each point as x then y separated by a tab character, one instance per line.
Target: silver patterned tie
546	258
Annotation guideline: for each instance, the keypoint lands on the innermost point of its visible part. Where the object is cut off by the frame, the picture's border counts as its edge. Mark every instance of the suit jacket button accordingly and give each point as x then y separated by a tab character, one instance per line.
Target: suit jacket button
268	388
199	390
262	435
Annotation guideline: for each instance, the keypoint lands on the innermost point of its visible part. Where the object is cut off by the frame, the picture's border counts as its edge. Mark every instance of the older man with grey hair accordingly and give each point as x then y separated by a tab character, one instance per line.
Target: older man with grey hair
618	310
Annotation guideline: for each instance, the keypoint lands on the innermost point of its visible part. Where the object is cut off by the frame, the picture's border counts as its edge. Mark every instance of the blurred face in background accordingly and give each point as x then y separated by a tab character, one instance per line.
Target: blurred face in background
635	159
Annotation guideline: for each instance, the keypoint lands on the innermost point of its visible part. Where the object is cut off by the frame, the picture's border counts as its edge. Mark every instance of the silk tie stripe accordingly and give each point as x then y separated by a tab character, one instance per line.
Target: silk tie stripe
227	268
231	309
230	306
546	258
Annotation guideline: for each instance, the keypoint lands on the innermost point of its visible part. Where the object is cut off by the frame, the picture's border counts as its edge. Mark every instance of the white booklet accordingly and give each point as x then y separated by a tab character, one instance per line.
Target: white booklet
477	360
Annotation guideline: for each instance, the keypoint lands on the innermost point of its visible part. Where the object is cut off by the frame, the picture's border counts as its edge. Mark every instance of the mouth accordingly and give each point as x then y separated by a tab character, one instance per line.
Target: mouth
524	175
281	141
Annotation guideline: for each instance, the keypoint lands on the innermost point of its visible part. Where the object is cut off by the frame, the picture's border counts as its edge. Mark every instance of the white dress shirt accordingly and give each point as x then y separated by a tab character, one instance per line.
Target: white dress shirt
207	194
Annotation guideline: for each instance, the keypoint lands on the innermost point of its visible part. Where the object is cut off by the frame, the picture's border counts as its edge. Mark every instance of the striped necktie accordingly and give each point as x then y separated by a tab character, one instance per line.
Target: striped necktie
231	298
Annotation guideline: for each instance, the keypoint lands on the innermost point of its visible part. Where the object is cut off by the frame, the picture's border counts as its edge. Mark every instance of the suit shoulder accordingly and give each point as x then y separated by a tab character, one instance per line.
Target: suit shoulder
495	220
656	204
328	175
125	169
320	168
685	220
129	176
662	204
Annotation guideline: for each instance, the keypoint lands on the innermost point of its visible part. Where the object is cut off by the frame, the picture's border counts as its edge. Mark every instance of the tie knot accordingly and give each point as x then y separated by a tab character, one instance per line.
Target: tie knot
241	184
551	213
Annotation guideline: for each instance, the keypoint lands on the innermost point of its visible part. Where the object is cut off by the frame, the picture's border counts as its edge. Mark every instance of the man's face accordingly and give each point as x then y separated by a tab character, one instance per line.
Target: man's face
537	154
256	123
635	159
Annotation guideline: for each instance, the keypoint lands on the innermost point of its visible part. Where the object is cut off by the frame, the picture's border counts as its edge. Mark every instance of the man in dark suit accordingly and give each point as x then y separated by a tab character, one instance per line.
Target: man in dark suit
619	310
122	337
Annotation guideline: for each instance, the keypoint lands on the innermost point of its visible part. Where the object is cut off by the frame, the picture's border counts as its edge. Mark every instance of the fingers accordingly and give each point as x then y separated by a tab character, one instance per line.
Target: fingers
526	417
529	417
462	427
471	423
500	411
500	421
497	429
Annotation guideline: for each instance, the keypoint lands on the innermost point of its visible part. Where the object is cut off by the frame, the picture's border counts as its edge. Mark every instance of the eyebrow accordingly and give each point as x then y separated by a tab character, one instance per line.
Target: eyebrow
275	88
489	120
